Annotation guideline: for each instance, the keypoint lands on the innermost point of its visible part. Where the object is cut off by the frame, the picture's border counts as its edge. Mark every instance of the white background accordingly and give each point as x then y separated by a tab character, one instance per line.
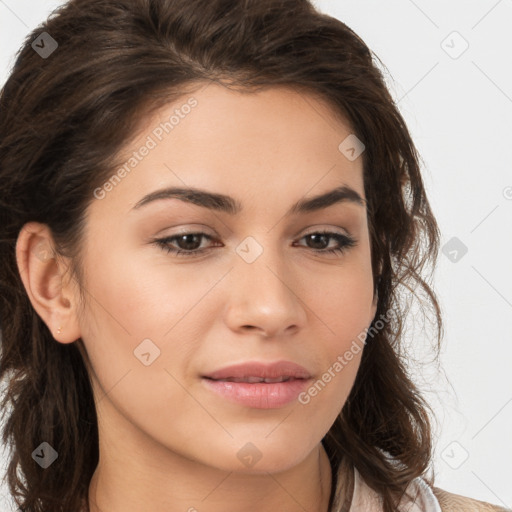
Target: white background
459	111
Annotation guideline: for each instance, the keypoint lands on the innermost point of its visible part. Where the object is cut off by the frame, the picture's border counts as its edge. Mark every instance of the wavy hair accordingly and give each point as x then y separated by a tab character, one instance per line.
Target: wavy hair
64	121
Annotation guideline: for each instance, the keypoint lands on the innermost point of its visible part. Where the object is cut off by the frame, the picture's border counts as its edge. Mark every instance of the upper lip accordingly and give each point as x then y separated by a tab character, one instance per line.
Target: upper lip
262	370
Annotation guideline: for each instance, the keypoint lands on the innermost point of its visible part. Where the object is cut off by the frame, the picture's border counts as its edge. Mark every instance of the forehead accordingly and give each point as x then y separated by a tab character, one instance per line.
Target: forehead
273	145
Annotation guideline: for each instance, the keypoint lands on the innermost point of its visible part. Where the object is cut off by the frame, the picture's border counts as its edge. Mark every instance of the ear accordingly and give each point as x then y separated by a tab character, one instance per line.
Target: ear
43	275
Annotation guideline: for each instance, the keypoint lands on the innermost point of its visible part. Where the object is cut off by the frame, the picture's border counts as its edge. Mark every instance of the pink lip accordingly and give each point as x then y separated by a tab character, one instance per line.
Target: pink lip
260	395
264	370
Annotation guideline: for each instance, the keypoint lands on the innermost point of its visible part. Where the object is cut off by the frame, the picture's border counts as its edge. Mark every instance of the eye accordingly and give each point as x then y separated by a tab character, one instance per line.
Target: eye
189	244
344	242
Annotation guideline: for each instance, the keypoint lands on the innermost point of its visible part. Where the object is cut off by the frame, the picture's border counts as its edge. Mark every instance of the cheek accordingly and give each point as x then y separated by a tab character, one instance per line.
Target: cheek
340	308
130	309
341	299
144	296
137	307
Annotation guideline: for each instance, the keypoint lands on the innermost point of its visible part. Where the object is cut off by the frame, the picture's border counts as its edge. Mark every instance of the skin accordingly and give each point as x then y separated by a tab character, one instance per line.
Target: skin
166	442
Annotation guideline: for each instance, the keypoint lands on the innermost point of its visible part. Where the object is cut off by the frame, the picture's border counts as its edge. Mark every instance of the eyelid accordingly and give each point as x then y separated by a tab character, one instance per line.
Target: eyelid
322	228
189	228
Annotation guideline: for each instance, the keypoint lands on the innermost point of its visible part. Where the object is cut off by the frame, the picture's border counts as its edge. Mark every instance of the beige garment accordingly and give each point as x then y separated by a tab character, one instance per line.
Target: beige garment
455	503
352	494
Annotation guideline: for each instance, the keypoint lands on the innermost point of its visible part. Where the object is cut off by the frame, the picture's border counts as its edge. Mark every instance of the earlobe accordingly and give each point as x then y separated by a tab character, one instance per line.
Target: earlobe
41	273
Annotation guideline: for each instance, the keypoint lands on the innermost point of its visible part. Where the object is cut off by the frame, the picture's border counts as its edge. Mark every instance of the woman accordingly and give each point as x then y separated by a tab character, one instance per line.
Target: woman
208	209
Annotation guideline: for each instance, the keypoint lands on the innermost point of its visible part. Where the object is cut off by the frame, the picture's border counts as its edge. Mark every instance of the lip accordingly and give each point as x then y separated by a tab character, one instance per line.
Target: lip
260	395
262	370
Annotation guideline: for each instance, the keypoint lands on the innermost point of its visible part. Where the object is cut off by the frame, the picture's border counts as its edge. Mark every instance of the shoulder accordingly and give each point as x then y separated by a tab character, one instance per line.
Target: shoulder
455	502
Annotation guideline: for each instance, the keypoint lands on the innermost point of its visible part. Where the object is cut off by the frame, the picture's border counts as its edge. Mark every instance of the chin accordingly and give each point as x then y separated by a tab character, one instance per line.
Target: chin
262	458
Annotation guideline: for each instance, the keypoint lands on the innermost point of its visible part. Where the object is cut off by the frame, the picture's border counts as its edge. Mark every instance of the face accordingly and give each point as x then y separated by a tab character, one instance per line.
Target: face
256	281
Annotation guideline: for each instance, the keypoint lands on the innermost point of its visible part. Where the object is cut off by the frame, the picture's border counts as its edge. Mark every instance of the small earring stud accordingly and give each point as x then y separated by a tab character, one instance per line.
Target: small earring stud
59	330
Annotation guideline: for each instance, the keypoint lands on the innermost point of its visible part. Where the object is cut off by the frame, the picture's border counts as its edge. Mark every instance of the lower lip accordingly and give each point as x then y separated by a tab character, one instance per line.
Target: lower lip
259	395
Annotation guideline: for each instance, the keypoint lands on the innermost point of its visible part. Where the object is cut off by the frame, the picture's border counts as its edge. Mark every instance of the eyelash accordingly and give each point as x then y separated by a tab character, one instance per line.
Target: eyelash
346	243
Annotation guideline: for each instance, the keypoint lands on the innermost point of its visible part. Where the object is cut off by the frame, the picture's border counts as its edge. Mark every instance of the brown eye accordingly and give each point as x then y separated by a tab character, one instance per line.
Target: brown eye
188	243
320	241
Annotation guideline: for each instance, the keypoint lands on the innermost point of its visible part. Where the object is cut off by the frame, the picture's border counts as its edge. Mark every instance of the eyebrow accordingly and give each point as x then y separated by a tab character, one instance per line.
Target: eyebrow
227	204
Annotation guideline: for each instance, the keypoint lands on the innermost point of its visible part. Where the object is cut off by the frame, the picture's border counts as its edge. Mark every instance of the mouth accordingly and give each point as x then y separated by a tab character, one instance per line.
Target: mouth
258	393
259	385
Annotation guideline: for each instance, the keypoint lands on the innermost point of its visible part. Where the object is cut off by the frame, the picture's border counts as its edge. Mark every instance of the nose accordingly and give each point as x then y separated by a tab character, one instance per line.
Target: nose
265	296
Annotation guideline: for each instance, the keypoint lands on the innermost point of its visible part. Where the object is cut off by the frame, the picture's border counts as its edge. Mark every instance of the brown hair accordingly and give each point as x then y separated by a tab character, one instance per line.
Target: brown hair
64	120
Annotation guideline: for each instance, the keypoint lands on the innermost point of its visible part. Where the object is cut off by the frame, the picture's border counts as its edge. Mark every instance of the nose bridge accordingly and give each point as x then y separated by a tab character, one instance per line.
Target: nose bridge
263	288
